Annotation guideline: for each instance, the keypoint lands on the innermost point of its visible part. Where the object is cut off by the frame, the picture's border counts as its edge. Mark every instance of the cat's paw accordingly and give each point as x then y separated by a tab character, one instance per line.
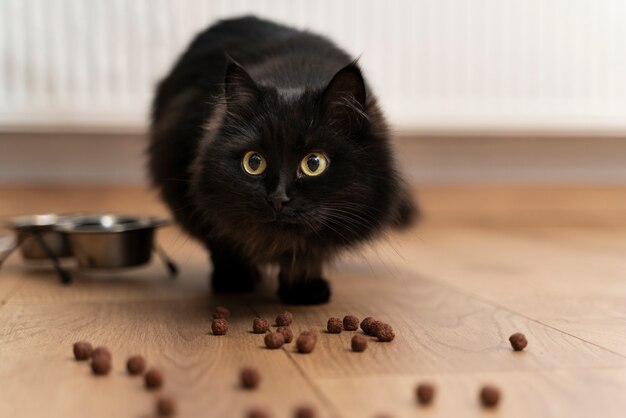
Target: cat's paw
235	279
309	292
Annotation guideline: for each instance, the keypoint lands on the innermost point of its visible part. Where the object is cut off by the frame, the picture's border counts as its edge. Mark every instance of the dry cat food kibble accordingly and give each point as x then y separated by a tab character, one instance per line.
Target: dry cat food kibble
350	323
384	332
250	377
305	412
334	325
101	352
359	343
166	407
153	379
310	333
82	350
219	326
368	325
135	365
274	340
284	319
518	341
260	325
489	396
221	313
287	333
425	393
100	365
258	413
306	342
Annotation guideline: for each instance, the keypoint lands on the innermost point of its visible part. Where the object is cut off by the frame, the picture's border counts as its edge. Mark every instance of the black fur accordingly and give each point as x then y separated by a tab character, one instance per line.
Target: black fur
249	84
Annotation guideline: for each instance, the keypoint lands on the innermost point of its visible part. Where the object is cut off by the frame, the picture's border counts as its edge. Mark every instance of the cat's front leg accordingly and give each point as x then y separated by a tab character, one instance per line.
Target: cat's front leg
301	282
232	272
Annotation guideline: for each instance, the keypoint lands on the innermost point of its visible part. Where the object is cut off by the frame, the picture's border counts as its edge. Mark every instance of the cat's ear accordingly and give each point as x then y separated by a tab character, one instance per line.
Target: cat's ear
345	95
239	88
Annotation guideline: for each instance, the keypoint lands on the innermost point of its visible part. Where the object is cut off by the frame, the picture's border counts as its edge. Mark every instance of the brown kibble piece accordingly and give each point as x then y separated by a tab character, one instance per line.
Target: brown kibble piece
219	326
82	350
350	323
305	412
425	393
258	413
274	340
306	343
359	343
518	341
221	313
310	333
136	365
287	333
100	365
153	379
250	377
489	396
367	325
334	325
384	332
166	406
101	352
260	325
284	319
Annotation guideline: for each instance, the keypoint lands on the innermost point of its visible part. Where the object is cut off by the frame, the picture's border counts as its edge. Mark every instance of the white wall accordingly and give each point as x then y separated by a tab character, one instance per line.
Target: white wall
547	65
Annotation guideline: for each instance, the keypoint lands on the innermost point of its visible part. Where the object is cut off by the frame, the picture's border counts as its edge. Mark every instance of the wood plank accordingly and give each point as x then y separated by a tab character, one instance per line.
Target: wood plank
550	394
577	290
438	330
201	370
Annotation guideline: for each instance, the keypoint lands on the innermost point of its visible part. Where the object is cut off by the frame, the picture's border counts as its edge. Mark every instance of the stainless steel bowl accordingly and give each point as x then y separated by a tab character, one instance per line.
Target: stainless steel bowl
26	228
110	241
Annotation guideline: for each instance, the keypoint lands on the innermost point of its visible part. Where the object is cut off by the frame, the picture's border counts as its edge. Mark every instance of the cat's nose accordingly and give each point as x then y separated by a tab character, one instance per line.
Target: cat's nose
278	200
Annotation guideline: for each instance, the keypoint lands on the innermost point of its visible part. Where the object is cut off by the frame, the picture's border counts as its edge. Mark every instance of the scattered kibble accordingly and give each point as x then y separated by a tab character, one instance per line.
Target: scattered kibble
518	341
82	350
221	313
219	326
310	333
260	325
166	406
100	365
334	325
101	352
350	323
258	413
274	340
136	365
250	377
305	412
153	379
368	325
287	333
284	319
306	342
384	332
489	396
425	393
359	343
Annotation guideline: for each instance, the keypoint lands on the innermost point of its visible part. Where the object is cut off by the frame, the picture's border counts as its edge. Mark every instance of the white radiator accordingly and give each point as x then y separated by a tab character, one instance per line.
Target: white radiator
435	64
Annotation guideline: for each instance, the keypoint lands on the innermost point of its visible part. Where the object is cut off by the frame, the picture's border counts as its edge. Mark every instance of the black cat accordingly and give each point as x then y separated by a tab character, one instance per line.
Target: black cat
269	147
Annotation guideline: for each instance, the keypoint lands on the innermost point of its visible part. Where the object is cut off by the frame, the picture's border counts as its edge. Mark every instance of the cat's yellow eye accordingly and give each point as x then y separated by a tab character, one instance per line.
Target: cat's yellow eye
314	164
253	163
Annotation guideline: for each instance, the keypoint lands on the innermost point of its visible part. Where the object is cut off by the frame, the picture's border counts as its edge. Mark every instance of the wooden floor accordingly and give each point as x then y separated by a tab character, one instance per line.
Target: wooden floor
454	293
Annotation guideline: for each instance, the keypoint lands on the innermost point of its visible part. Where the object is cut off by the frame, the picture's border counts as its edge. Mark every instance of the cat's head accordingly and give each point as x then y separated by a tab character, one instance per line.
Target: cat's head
289	168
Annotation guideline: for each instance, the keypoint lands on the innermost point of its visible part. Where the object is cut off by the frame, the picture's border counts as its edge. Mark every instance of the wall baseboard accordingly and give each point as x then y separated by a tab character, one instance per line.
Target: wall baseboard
80	159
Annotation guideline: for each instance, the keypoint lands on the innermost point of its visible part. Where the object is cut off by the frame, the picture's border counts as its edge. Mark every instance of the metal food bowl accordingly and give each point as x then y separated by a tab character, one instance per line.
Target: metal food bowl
110	241
32	229
96	241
